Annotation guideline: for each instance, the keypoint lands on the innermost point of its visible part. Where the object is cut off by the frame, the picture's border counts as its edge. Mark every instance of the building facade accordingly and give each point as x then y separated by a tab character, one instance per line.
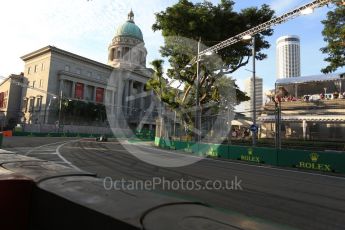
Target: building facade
248	88
288	58
56	79
10	100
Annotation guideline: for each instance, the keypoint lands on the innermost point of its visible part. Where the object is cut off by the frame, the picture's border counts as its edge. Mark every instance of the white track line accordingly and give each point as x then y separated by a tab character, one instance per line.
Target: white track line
64	159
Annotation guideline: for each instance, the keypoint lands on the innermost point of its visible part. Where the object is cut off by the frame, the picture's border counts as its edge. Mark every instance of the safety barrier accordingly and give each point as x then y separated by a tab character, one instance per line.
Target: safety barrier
140	134
326	161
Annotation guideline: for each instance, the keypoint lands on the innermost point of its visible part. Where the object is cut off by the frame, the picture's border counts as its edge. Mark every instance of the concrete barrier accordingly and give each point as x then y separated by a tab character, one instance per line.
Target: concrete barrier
325	161
15	196
58	197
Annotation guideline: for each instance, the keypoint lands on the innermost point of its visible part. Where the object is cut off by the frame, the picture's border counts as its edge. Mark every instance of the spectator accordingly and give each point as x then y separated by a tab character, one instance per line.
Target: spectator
322	96
234	134
336	95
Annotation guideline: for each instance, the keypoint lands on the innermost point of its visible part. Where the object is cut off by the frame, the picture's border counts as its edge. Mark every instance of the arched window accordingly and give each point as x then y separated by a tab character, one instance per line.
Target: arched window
140	57
126	54
114	53
118	55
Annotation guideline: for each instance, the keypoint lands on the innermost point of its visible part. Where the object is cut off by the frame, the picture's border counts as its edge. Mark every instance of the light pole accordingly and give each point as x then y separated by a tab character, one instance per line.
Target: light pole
60	107
197	103
254	93
255	130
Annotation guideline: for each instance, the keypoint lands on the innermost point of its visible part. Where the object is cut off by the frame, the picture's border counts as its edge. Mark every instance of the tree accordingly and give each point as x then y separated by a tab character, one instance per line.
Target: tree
185	23
334	35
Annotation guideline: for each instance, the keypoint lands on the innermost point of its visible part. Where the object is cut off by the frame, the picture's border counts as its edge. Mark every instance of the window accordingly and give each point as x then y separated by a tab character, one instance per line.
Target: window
31	104
126	53
5	103
41	83
78	71
42	67
35	70
2	98
67	68
29	70
25	105
39	103
33	84
88	73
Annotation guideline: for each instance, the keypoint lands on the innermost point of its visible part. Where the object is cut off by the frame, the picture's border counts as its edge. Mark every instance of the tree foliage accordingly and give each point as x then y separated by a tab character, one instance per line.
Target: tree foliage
334	36
182	25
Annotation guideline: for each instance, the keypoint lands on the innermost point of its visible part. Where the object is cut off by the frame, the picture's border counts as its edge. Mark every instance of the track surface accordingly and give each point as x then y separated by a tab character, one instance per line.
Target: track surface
298	199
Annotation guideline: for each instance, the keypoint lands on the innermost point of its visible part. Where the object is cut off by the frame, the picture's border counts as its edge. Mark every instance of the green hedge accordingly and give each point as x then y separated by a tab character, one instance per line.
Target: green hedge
326	161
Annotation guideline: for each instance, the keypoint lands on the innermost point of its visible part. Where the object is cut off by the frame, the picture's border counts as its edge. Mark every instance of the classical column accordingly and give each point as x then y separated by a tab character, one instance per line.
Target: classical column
94	94
131	102
142	98
84	92
119	99
61	85
125	97
73	90
112	101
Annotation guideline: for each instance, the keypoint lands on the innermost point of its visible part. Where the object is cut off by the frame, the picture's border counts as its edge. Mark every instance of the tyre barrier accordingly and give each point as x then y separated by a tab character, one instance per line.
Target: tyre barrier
53	196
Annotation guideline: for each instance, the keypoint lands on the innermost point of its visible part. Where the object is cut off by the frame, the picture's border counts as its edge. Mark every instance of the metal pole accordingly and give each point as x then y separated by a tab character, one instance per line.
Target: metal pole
161	108
45	111
197	106
254	93
229	124
275	116
60	107
175	124
279	126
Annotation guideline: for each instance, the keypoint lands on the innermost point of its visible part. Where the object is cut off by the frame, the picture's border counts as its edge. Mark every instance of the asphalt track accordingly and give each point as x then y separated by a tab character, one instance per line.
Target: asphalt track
302	200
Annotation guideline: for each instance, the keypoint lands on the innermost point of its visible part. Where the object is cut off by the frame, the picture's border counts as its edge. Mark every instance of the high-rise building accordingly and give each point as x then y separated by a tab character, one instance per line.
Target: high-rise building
248	88
288	57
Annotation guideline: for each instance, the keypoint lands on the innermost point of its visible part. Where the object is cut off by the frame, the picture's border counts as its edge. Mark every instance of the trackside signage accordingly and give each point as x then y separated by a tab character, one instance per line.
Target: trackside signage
327	161
250	156
314	164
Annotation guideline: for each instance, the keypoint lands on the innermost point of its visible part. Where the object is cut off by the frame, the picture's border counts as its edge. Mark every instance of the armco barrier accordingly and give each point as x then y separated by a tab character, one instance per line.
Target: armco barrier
327	161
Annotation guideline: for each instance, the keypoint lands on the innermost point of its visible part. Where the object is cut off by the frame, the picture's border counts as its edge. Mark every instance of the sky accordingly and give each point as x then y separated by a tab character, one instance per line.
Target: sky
86	27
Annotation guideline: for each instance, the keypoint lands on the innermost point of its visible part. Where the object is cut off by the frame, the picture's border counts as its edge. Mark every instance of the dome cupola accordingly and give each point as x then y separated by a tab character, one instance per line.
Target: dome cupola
130	29
127	48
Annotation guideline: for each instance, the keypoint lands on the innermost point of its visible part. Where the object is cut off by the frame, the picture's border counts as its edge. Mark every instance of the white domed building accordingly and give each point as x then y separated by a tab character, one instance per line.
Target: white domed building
127	49
52	73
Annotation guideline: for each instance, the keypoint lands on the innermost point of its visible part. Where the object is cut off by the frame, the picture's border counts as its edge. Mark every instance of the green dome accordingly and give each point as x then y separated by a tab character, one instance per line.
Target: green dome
129	29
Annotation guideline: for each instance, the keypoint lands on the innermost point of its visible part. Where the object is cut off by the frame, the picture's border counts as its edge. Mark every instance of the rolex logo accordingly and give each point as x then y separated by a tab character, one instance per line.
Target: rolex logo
250	151
314	157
